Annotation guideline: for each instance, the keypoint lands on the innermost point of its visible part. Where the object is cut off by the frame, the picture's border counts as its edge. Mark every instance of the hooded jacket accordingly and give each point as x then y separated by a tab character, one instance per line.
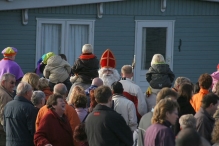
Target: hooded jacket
57	69
86	67
159	76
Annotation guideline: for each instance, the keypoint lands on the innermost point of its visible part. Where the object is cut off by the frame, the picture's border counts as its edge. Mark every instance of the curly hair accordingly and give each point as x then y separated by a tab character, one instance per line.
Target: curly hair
187	121
80	100
79	133
43	83
205	81
215	132
75	91
160	110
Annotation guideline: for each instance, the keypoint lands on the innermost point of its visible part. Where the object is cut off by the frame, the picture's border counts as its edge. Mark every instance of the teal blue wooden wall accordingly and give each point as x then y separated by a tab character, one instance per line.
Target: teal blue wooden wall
196	24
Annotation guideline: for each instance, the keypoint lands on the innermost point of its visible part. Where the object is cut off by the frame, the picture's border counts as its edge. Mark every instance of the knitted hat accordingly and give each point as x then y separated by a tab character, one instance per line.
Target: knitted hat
9	51
108	60
46	56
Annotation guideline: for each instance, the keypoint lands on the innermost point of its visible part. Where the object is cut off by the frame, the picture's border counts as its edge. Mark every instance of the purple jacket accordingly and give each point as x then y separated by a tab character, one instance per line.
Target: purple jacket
82	113
10	66
159	135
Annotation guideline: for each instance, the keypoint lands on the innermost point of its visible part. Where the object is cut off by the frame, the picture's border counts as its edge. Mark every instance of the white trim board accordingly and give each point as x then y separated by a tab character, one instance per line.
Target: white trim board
30	4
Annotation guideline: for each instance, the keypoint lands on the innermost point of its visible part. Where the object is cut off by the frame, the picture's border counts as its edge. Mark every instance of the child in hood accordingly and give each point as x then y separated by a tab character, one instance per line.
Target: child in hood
159	74
57	71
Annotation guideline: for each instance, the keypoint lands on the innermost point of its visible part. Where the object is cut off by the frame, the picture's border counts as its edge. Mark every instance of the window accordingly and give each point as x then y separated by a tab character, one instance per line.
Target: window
153	42
63	36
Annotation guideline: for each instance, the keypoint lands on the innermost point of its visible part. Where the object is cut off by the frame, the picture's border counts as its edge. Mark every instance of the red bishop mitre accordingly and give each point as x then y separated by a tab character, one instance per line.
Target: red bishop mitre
107	59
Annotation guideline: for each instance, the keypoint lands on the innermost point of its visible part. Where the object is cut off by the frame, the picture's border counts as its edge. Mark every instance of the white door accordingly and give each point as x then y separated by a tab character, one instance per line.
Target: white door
63	36
152	37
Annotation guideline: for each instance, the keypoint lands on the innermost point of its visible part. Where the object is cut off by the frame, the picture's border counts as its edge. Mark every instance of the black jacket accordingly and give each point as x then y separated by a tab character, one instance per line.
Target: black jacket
184	108
105	127
159	76
86	67
19	122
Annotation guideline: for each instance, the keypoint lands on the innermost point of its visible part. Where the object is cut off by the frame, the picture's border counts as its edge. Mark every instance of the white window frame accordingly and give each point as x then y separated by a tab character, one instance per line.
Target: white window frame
65	23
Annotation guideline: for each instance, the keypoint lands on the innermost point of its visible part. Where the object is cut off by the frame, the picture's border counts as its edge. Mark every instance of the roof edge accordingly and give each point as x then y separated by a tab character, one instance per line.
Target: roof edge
31	4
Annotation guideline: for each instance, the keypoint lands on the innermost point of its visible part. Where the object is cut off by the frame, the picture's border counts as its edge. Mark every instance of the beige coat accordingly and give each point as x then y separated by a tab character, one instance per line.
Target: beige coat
57	69
5	97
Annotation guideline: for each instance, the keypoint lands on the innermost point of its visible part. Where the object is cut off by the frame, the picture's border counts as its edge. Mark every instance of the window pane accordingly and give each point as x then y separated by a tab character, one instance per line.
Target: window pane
78	36
51	38
154	42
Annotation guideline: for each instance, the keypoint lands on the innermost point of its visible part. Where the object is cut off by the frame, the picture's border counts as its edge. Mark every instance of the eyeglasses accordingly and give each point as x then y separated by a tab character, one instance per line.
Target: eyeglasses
12	82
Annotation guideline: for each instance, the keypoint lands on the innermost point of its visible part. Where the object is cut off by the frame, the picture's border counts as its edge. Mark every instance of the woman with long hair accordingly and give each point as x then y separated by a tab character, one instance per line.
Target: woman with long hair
185	94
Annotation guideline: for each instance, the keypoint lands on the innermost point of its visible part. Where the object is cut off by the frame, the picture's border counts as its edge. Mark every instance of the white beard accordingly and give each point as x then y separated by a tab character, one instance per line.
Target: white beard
109	79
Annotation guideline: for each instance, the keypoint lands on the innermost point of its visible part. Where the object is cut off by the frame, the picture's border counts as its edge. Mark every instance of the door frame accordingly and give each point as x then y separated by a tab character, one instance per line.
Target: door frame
139	25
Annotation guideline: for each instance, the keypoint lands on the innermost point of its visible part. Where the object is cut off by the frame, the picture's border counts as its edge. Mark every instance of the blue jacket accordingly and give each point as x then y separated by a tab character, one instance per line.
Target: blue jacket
19	121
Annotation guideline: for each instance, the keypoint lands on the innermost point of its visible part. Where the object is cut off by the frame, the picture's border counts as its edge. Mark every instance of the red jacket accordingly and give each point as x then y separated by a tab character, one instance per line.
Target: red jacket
70	114
53	130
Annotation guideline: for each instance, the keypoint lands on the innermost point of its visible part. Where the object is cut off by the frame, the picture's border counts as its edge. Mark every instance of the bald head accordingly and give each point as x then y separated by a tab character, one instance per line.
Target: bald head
97	81
60	89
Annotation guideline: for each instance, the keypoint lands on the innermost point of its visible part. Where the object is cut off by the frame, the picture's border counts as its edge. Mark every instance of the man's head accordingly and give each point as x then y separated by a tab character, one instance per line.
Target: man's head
187	121
117	88
24	89
38	99
210	103
108	73
181	80
205	81
60	89
166	93
188	137
87	48
97	82
103	95
8	82
109	76
126	71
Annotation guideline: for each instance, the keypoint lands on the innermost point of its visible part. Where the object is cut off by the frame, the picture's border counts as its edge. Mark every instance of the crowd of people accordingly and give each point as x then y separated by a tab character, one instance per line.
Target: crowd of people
91	104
